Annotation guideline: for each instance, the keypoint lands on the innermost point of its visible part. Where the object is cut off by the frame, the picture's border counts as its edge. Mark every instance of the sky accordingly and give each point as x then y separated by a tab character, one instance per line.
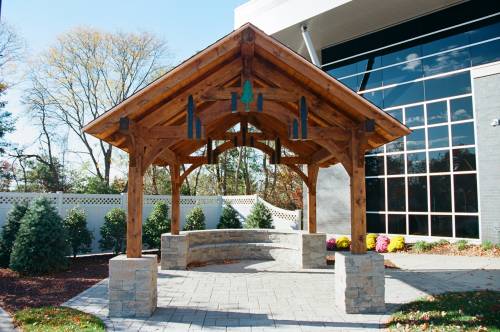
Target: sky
188	26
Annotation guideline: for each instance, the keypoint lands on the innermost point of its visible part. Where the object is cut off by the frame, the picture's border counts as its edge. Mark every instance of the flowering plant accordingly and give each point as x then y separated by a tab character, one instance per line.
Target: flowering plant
397	243
382	243
371	240
330	244
343	242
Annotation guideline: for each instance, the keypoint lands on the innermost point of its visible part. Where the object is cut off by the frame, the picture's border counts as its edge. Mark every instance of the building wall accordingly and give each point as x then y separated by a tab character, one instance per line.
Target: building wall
487	104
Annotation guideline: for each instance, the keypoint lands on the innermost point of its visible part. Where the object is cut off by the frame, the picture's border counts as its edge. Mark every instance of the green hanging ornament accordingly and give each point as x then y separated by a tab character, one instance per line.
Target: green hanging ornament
247	95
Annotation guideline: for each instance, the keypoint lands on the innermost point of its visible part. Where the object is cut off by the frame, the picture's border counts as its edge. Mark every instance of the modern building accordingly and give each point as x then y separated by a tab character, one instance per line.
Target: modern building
435	66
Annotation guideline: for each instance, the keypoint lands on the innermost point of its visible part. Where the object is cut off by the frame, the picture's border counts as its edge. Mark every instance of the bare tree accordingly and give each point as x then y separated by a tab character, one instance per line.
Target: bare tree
88	72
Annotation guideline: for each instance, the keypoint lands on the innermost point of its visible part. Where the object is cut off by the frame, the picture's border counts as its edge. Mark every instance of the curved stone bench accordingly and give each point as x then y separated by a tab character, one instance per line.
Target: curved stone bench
296	248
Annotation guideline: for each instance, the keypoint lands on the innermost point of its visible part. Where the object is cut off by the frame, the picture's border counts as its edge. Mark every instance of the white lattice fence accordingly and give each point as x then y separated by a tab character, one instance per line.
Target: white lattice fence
96	206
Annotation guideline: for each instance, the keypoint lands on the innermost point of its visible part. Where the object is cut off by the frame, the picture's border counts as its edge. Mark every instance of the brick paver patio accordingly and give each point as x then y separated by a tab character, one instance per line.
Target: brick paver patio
267	296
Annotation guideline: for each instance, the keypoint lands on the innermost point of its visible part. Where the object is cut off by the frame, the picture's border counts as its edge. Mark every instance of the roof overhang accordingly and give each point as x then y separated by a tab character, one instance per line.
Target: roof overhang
330	21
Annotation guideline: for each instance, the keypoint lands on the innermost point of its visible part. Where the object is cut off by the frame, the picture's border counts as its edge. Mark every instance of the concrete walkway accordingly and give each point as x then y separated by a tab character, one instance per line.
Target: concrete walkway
6	324
267	296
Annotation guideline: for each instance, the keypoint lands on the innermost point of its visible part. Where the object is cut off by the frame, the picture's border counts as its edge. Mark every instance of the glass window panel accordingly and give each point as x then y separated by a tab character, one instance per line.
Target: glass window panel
406	54
485	53
465	188
452	85
351	83
395	164
373	62
397	223
467	227
375	97
342	71
417	193
375	194
416	140
441	226
404	94
461	109
380	149
446	62
402	73
374	166
438	137
396	194
414	116
396	114
416	162
419	224
437	112
464	159
444	44
440	193
484	32
462	134
370	80
439	161
396	145
375	223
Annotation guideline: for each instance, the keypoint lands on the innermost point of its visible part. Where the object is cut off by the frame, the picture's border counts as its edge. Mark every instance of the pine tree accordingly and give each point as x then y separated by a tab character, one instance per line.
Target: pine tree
41	244
229	218
79	237
157	223
259	217
9	231
195	220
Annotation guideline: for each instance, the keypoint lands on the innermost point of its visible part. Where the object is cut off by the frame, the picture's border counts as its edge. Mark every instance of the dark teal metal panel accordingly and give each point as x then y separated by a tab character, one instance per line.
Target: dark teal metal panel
303	117
190	116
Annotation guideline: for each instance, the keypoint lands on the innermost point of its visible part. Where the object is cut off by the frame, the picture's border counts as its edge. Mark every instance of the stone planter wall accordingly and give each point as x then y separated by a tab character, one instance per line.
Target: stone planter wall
243	244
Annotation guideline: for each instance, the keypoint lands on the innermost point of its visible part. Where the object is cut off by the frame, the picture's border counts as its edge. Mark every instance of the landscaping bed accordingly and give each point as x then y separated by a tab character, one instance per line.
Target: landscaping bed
21	292
453	249
464	311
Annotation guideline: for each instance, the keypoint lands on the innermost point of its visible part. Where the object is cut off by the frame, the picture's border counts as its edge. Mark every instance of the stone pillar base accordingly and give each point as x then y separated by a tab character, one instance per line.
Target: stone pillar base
312	251
359	282
132	286
174	251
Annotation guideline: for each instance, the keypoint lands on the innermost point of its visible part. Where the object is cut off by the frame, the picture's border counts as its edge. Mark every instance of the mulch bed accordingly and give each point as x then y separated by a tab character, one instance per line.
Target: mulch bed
452	250
330	260
17	293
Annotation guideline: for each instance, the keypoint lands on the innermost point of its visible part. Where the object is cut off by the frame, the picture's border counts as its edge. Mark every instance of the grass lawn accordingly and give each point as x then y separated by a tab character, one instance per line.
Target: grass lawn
467	311
55	319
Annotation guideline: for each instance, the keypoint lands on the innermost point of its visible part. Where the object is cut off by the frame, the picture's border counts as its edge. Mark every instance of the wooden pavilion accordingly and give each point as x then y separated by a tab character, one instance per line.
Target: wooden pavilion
250	81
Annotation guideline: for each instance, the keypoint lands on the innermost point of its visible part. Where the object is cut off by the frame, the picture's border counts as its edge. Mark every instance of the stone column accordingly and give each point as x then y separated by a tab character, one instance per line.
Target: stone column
132	286
359	282
174	251
312	251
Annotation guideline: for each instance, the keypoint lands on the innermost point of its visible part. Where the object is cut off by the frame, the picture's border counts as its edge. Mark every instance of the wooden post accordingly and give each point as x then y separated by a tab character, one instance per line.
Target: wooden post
358	194
176	198
135	201
312	176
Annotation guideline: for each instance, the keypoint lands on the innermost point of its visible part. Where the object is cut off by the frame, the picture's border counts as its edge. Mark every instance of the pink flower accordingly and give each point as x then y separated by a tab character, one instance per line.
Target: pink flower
382	243
330	244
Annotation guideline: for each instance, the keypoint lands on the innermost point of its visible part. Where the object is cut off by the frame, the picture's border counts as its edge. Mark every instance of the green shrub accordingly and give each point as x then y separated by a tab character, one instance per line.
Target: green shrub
442	242
195	220
487	245
462	245
41	244
259	217
371	240
343	242
157	223
422	246
113	231
79	237
9	231
397	243
229	218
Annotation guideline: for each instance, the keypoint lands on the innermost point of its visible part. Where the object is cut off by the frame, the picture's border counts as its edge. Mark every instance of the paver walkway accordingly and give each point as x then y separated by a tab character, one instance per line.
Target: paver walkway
6	322
267	296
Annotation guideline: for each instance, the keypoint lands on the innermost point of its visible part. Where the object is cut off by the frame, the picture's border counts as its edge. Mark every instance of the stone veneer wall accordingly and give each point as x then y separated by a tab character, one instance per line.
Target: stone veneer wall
177	251
360	282
132	286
